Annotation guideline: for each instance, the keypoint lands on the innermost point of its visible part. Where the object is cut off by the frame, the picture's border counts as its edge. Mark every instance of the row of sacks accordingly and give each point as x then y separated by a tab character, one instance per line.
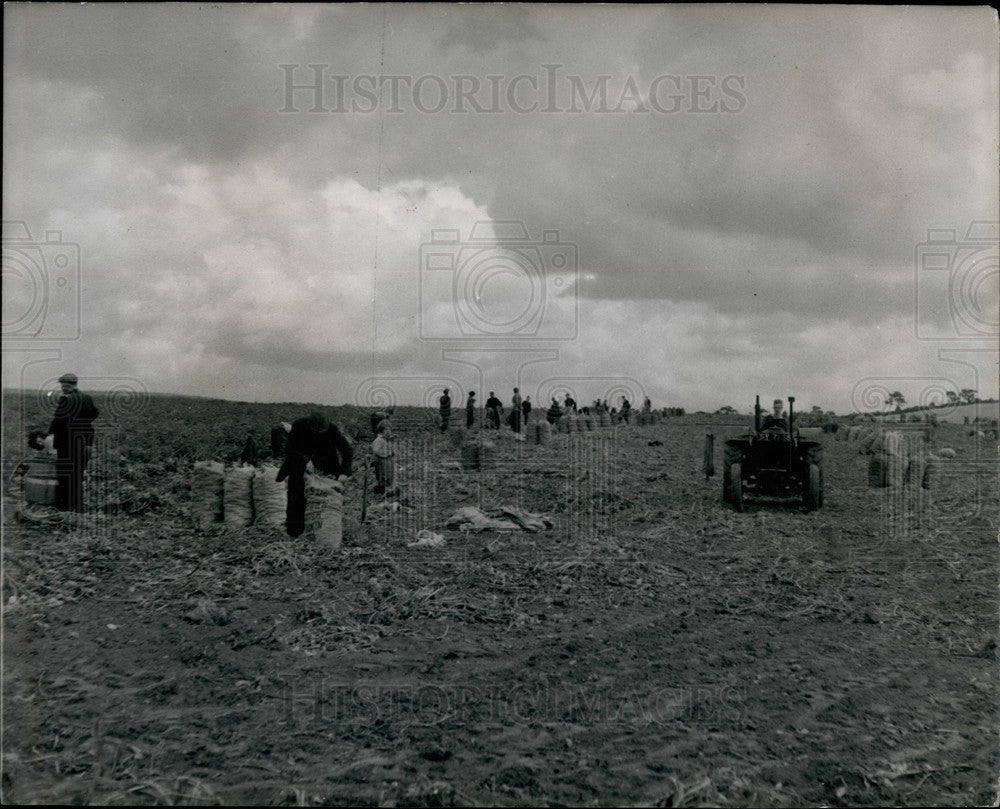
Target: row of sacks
886	470
584	422
899	458
535	432
241	495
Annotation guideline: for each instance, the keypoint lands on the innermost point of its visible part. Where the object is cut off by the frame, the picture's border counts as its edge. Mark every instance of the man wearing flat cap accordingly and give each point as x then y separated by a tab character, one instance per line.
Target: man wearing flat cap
315	439
72	431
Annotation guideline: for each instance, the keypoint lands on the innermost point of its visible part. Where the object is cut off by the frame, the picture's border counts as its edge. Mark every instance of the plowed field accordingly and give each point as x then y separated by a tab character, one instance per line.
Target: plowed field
653	648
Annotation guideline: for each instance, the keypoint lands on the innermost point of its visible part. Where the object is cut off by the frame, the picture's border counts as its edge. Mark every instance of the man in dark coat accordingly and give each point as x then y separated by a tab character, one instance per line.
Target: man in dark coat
315	439
554	412
494	411
72	431
526	408
444	408
470	410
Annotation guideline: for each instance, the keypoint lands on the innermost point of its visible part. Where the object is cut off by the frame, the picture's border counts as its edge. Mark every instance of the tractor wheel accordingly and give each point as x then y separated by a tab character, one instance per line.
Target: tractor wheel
736	486
814	488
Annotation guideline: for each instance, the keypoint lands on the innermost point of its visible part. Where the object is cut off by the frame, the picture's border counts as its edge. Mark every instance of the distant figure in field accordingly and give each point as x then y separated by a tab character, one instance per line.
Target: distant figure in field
647	405
569	403
775	421
526	408
494	410
470	410
554	412
315	439
626	409
249	454
444	404
382	450
72	432
515	412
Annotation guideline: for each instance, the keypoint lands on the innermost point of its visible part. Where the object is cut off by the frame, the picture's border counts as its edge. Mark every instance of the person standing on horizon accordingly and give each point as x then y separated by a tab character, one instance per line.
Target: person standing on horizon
470	410
444	404
515	413
494	410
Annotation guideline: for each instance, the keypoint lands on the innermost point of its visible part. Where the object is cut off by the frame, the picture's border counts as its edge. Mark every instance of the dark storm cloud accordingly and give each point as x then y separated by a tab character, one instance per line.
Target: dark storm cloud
154	136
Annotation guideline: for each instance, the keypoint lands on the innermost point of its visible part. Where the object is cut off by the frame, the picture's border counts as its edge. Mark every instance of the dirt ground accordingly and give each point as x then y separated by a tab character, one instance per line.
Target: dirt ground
653	648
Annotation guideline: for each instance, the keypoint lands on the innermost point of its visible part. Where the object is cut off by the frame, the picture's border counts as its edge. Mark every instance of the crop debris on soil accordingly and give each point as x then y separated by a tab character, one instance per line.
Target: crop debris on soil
651	647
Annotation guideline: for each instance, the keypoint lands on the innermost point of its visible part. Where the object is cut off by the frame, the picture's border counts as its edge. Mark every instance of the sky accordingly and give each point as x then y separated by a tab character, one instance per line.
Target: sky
366	204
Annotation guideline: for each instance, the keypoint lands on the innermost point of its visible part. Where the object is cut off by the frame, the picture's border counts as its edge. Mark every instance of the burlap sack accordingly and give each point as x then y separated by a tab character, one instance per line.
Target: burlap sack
238	496
207	482
541	432
270	498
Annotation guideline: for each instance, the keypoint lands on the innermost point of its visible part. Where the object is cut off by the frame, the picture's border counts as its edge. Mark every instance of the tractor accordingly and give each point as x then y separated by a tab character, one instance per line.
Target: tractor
773	462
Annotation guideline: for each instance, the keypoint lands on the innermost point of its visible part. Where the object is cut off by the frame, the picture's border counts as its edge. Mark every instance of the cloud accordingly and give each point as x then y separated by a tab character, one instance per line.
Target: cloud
224	241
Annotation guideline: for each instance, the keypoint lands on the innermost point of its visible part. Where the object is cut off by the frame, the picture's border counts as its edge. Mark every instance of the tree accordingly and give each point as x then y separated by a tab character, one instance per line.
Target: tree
896	398
967	395
952	397
727	410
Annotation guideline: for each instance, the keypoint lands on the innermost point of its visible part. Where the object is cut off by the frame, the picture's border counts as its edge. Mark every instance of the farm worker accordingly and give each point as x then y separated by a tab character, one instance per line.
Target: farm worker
569	403
515	413
470	410
249	454
626	409
382	450
776	420
379	416
526	408
72	432
279	438
494	409
554	413
444	403
315	439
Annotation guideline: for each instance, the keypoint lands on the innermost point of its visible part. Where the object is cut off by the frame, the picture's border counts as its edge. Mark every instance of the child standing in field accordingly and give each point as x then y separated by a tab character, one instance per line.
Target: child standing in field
382	450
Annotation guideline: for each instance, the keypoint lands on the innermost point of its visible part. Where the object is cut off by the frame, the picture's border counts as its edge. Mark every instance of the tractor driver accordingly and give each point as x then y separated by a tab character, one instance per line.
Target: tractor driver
777	420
